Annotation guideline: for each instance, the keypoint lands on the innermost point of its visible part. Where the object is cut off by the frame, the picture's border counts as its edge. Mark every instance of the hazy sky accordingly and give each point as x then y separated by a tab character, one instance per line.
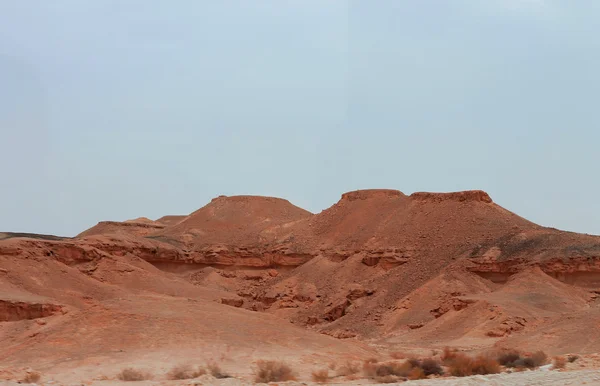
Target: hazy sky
111	110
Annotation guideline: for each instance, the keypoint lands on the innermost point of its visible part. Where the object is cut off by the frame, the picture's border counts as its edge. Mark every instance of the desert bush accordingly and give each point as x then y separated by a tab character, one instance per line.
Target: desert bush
133	375
448	354
320	376
483	365
417	373
379	371
185	372
508	358
572	358
430	367
464	366
32	377
348	368
273	371
394	371
524	363
539	358
215	371
460	365
559	363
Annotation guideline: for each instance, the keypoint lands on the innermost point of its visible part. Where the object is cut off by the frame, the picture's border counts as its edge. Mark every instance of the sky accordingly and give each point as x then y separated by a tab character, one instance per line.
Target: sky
116	109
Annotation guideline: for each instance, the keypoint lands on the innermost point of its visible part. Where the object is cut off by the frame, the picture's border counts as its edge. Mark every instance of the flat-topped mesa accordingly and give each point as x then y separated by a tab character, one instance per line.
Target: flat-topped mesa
467	195
249	199
371	193
132	223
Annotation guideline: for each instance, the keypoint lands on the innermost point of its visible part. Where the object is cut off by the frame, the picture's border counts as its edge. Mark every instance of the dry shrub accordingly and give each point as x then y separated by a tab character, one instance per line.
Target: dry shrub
133	375
185	372
32	377
430	367
215	371
572	358
483	365
417	373
463	366
348	368
460	365
559	363
448	354
532	361
508	358
320	376
539	358
273	371
394	372
525	363
398	355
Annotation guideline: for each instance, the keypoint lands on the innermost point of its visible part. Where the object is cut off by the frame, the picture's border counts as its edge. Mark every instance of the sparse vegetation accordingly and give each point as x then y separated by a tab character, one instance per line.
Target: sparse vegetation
559	362
320	376
448	355
430	367
185	372
539	358
508	358
412	368
461	365
32	377
514	359
417	373
215	370
273	371
348	368
572	358
133	375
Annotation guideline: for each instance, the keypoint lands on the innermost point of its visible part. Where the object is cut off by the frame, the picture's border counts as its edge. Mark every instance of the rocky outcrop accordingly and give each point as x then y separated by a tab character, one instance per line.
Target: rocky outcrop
15	310
468	195
371	193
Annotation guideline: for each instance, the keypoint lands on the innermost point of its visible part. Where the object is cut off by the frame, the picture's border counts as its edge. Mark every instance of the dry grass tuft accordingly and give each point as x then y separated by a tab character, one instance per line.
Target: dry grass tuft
273	371
572	358
185	372
395	372
448	354
32	377
133	375
483	365
559	362
417	373
215	370
320	376
348	368
508	358
463	366
430	366
539	358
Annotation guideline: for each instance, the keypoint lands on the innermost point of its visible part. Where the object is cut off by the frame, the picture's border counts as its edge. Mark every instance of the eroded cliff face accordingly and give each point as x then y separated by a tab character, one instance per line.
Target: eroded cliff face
11	311
568	257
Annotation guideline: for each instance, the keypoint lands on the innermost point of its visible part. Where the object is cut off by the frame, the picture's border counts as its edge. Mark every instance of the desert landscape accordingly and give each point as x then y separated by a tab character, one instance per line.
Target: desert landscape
382	287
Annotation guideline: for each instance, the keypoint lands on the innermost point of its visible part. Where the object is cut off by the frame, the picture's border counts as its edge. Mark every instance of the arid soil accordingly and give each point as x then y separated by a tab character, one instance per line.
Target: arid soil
246	278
